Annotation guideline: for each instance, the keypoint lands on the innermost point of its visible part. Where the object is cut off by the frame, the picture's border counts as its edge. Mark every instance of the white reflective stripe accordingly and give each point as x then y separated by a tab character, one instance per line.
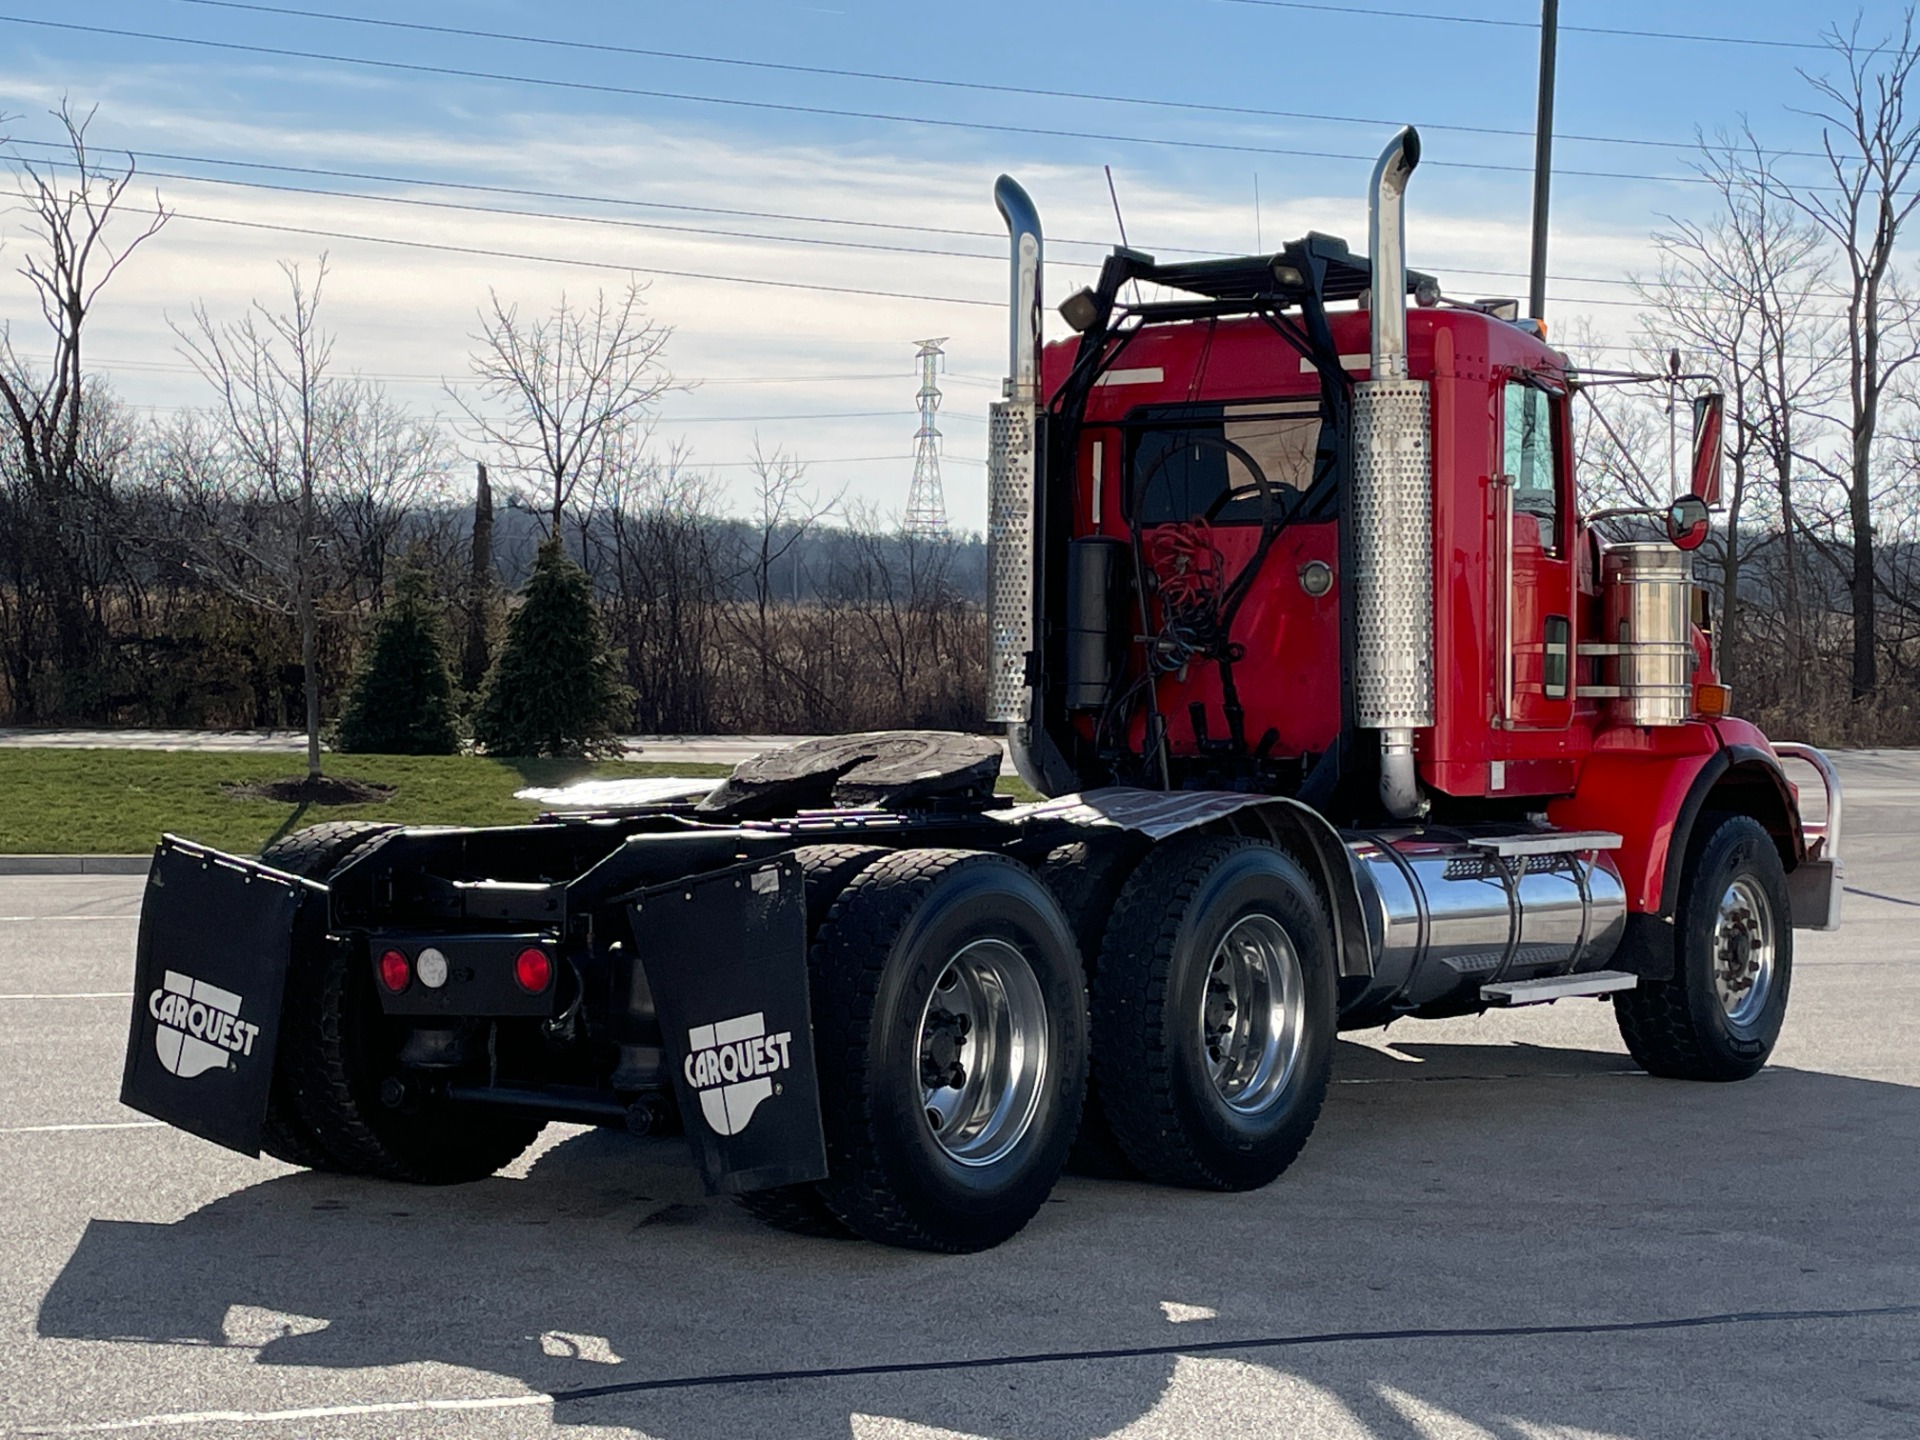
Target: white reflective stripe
1347	362
741	1027
1145	375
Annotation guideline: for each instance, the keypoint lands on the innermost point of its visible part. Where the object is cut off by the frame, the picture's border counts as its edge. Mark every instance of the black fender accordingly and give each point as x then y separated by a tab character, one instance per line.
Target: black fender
1160	814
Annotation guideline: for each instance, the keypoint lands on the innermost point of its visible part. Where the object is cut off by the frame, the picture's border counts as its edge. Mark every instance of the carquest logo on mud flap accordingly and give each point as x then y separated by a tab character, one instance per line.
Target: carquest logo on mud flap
731	1064
199	1025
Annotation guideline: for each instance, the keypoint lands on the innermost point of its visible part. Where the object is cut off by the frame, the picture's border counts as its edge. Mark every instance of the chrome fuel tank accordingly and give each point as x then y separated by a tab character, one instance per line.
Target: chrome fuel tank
1448	912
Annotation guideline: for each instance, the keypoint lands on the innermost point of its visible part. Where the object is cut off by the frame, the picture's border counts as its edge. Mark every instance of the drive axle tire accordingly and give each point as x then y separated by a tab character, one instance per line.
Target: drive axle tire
1720	1015
826	870
313	854
1085	878
949	1014
1214	1012
336	1053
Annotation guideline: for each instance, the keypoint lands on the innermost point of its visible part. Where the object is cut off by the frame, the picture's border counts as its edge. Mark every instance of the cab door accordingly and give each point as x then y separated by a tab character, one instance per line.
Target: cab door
1534	589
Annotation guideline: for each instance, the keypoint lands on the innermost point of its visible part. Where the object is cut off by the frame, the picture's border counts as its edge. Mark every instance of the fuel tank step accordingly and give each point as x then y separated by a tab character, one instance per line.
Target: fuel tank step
1557	987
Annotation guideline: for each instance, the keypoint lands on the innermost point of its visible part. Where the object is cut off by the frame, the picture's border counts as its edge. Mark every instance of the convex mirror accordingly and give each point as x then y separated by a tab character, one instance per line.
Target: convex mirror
1687	522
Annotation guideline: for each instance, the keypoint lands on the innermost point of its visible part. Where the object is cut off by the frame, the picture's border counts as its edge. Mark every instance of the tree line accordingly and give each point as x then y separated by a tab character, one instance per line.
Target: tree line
226	565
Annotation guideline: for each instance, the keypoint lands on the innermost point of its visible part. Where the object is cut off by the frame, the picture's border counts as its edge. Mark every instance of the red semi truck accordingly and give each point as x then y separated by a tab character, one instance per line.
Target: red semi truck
1346	712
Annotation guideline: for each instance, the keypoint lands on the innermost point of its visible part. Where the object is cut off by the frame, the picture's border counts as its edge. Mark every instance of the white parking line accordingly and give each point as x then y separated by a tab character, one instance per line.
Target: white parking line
41	919
76	995
95	1125
312	1412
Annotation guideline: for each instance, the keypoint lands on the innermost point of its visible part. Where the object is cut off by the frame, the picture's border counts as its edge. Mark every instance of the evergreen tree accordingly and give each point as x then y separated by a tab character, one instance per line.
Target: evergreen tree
555	688
402	702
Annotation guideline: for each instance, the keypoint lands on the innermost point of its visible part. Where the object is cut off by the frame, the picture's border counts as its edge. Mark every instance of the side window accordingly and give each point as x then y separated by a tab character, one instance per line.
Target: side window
1529	456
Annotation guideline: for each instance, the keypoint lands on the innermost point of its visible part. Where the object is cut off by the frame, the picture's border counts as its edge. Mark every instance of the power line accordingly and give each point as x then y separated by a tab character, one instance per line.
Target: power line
565	260
932	82
592	87
1514	24
680	229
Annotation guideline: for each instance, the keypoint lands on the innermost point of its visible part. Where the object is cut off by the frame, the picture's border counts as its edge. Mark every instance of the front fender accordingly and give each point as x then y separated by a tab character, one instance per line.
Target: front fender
1651	788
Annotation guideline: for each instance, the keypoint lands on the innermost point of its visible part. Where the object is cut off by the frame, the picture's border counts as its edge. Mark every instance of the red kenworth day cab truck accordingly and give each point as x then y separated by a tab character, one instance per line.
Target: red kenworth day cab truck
1346	710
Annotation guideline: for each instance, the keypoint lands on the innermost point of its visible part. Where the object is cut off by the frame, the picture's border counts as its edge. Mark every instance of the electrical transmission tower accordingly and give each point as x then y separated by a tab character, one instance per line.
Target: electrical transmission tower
926	504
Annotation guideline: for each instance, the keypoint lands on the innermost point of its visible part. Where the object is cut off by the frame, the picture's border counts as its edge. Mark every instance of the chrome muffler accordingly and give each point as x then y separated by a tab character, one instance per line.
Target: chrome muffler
1013	466
1390	510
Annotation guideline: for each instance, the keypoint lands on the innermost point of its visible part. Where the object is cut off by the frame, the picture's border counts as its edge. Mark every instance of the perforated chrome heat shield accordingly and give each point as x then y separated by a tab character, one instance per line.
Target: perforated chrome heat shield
1391	515
1011	496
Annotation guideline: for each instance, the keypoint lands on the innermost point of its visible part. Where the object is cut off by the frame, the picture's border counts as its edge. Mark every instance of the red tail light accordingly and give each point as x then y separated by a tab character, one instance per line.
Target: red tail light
533	970
396	971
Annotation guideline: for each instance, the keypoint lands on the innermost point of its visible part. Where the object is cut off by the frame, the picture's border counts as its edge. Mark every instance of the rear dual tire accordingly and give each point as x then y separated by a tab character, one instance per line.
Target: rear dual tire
325	1109
949	1018
1214	1006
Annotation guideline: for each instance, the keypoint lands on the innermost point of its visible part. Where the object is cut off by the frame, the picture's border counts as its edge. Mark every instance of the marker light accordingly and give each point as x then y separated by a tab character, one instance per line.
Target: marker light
395	971
533	970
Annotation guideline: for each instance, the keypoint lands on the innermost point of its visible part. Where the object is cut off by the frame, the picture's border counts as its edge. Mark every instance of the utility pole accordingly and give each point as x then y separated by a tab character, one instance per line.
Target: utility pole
1543	159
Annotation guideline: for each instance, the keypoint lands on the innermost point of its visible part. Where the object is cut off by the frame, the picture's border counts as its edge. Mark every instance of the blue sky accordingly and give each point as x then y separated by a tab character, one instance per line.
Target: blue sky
830	375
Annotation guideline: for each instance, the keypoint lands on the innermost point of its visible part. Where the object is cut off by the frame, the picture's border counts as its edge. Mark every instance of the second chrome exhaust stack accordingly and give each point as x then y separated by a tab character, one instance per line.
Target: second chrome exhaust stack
1391	514
1014	464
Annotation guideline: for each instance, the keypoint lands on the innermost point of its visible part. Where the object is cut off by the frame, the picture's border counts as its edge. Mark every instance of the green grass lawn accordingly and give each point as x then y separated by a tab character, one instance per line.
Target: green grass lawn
118	802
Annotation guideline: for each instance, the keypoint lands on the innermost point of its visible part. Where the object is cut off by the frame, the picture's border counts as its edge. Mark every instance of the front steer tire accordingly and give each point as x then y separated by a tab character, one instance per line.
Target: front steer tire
1732	888
917	944
336	1048
1196	907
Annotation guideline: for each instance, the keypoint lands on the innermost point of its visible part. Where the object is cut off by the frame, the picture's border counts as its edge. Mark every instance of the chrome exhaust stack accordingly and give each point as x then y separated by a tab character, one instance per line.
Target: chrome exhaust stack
1013	480
1023	305
1391	511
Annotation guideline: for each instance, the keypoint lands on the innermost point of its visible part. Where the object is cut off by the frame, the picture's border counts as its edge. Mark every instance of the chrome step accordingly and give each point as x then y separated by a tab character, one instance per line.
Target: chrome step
1545	842
1557	987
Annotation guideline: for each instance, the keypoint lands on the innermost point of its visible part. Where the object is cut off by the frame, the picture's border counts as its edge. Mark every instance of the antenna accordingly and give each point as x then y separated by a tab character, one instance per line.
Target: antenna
1259	244
1121	221
926	502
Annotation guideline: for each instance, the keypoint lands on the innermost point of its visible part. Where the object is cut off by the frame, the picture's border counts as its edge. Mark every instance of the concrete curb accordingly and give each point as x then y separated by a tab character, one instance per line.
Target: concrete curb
75	864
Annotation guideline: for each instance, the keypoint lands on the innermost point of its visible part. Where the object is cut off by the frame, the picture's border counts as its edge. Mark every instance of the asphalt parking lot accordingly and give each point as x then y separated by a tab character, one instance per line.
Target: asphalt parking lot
1499	1229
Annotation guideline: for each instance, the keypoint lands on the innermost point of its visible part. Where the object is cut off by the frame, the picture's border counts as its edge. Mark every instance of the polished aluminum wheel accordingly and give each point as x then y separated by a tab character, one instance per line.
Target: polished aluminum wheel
1743	951
983	1052
1253	1014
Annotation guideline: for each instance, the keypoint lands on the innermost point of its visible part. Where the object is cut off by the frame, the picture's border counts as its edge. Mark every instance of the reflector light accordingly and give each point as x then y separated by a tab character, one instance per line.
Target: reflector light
1712	701
396	972
431	967
533	970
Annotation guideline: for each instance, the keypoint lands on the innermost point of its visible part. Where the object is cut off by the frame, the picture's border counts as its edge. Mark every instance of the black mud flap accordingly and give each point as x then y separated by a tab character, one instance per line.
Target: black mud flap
726	958
215	936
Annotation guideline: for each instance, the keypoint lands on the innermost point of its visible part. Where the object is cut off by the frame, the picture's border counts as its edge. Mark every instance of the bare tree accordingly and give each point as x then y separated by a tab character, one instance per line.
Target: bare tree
652	524
1739	291
785	511
70	205
1871	143
554	392
256	487
389	461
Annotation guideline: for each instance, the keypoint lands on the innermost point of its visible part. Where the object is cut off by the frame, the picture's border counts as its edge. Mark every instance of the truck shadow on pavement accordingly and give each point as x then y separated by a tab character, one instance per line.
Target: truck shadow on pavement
1450	1187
